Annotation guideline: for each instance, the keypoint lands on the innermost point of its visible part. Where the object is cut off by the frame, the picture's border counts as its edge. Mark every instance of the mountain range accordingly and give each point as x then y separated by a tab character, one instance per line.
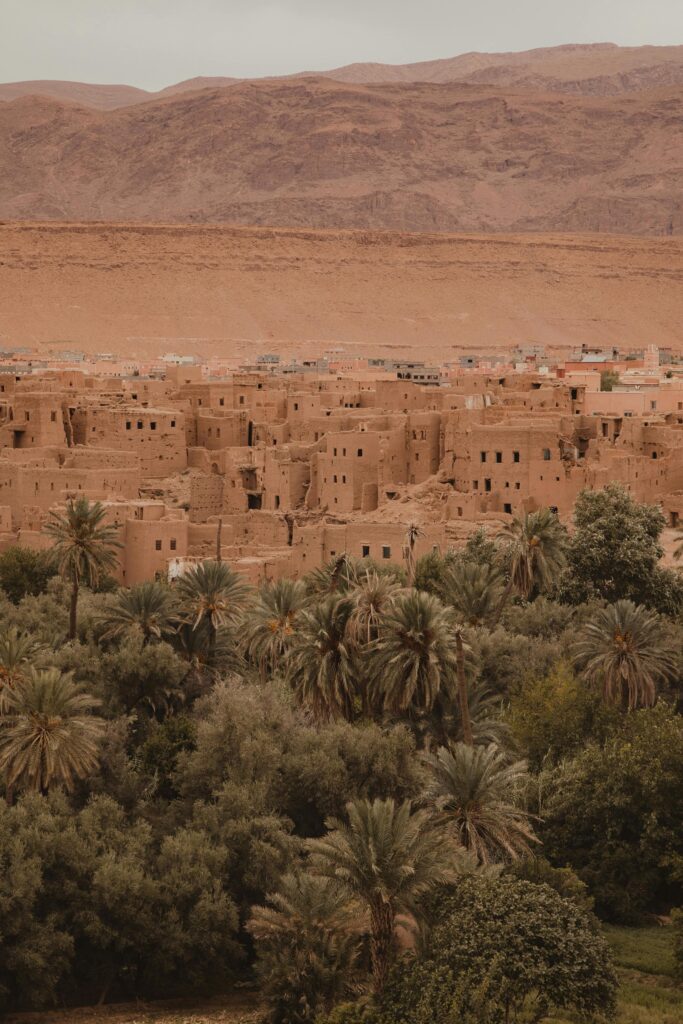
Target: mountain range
573	138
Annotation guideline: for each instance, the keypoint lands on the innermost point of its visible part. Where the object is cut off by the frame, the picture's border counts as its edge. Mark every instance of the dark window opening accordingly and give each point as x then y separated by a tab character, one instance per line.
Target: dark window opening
173	544
507	508
365	551
515	456
499	456
386	552
157	545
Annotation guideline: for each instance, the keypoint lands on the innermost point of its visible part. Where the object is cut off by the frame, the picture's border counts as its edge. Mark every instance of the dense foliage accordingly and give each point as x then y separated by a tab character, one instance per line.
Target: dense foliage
203	782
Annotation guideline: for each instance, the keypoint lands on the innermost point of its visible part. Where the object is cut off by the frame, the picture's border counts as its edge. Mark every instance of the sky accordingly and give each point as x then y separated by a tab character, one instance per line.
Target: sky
153	43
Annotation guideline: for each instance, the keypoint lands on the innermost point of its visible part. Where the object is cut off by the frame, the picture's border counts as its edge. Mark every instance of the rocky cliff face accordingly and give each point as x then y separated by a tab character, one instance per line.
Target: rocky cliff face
319	153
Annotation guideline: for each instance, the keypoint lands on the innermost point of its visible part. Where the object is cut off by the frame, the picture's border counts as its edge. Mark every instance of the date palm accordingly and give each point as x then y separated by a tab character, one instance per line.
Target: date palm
321	667
335	577
211	595
414	658
309	935
17	651
147	608
413	534
623	648
479	793
84	548
273	622
388	858
372	597
535	544
474	592
49	735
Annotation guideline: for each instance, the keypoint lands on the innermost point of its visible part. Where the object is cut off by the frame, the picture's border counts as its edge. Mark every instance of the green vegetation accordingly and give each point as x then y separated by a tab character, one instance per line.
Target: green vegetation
370	800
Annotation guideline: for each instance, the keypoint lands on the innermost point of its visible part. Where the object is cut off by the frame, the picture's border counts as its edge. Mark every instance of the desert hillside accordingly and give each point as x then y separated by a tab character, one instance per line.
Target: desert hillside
240	291
319	153
594	69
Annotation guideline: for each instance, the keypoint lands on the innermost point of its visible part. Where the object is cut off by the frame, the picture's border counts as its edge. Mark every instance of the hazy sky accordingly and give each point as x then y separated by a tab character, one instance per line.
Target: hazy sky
152	43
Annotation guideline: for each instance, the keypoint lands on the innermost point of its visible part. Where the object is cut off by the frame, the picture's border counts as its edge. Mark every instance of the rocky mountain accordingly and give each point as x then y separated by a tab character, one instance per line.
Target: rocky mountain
590	69
314	152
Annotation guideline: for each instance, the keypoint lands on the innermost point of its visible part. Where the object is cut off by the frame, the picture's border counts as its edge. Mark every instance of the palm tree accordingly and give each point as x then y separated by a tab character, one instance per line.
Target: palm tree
147	608
50	734
479	792
387	858
273	622
84	548
623	648
212	594
535	544
17	650
372	597
474	591
414	658
413	533
321	668
310	933
335	577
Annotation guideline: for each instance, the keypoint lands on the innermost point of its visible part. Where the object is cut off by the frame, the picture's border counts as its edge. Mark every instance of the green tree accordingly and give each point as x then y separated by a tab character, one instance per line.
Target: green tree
84	548
481	795
212	595
622	648
17	651
552	716
24	572
321	668
388	858
272	623
414	658
504	951
608	380
308	947
534	549
474	591
147	609
413	534
614	552
372	597
613	814
50	734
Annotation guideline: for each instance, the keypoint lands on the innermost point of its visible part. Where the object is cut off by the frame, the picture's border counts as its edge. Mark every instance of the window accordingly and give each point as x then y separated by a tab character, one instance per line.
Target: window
507	508
153	425
218	431
365	551
482	456
296	407
343	479
128	424
173	423
335	451
487	484
277	501
27	415
499	456
157	545
386	552
53	417
546	454
515	456
343	451
241	400
654	455
517	486
334	478
360	453
139	424
475	485
173	543
221	401
653	405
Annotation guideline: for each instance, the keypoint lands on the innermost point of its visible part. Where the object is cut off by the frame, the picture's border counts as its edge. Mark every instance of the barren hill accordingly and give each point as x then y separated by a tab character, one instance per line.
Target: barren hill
593	69
209	290
319	153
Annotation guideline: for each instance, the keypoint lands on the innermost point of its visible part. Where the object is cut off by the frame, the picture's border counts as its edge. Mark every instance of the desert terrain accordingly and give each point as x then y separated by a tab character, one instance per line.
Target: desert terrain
230	291
572	139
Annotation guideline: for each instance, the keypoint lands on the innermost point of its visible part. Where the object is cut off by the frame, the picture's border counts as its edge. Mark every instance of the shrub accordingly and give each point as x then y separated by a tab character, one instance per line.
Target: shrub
504	950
